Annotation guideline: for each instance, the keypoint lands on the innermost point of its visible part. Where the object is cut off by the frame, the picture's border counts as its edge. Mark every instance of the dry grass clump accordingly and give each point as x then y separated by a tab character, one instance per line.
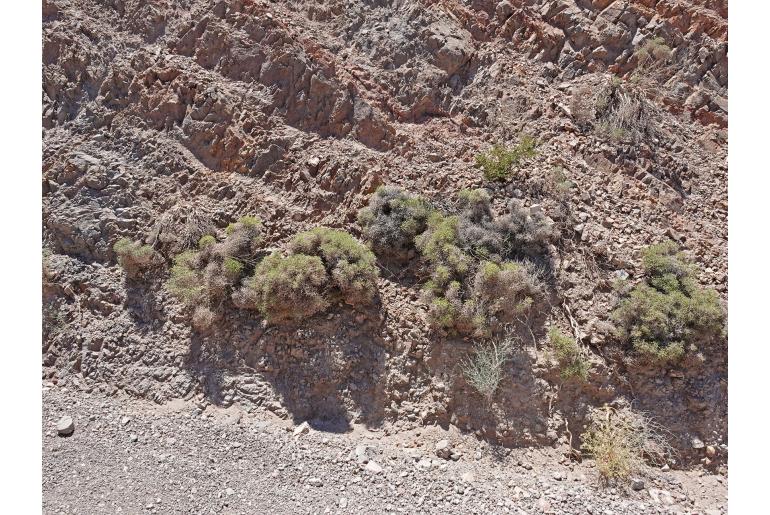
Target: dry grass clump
507	290
653	50
559	184
134	257
668	314
181	227
203	318
525	233
621	110
622	441
484	370
572	361
499	162
616	111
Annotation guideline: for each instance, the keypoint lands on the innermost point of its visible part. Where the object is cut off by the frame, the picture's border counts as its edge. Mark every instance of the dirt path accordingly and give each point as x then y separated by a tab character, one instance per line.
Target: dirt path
129	456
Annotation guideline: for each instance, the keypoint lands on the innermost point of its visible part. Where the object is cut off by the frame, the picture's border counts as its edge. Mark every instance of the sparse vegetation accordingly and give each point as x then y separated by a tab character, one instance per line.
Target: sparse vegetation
181	228
572	361
133	256
668	314
621	441
616	111
654	49
559	184
484	370
232	267
498	163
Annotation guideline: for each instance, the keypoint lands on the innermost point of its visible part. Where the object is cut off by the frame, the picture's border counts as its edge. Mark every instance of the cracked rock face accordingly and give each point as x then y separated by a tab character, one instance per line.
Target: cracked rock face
166	120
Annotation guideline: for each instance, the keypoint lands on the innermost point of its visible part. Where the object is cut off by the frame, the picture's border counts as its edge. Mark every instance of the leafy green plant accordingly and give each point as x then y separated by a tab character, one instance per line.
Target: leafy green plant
570	357
498	162
668	313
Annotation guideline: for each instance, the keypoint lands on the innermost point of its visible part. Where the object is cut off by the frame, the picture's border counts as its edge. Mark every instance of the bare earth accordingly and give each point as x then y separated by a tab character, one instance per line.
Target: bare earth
230	461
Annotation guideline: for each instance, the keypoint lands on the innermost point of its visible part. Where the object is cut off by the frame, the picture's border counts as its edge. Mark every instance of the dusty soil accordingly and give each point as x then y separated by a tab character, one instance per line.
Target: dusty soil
157	115
129	456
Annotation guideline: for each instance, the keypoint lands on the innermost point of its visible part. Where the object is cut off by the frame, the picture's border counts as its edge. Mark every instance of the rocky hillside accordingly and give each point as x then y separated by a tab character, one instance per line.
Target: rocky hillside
167	121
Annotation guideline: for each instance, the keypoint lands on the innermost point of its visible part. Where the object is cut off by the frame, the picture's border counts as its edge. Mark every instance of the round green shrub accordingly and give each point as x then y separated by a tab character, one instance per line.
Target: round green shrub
351	266
286	288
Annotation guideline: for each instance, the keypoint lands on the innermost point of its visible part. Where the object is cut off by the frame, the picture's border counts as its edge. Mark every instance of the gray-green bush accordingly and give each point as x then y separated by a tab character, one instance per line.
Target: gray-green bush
202	279
351	266
392	220
667	313
323	266
287	288
477	268
134	257
484	370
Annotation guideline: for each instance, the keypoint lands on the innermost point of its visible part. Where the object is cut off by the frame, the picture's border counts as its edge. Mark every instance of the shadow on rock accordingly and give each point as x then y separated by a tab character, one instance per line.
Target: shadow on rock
326	371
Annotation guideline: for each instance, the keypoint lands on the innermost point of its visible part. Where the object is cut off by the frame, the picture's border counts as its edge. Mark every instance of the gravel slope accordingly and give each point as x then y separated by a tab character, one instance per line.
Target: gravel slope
129	456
